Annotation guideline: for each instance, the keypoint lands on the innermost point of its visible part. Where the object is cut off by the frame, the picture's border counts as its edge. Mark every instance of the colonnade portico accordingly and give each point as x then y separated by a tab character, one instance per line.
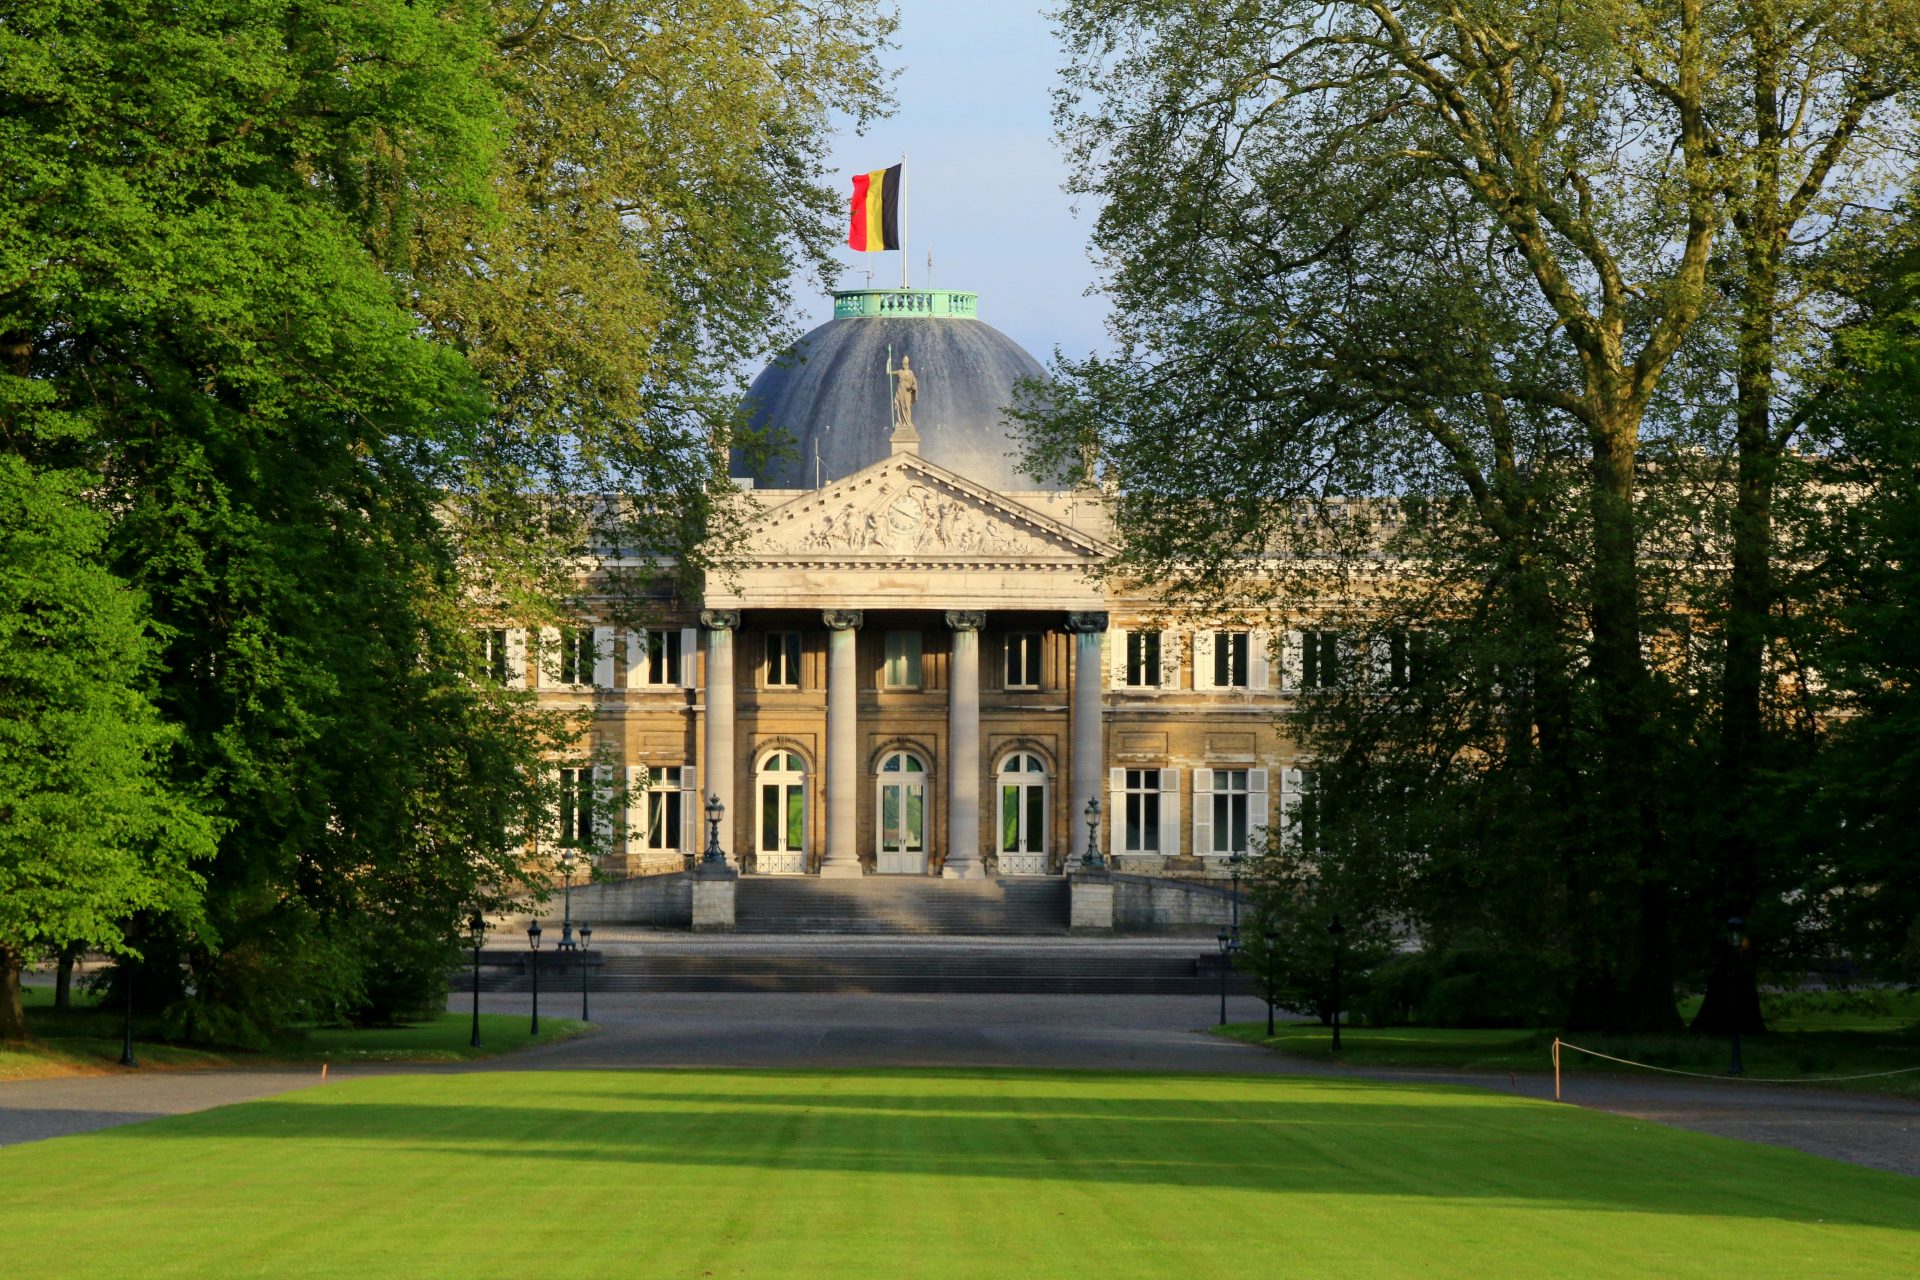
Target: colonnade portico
838	784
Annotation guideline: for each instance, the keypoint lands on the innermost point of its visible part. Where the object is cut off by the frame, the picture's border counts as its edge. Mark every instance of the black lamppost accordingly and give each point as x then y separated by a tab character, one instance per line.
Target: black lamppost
586	936
533	941
715	856
1339	933
566	910
1234	864
1228	943
477	935
126	1022
1091	859
1273	946
1737	941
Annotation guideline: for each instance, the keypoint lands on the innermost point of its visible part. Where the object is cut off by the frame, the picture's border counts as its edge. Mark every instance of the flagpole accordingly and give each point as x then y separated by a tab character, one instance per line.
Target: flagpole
903	220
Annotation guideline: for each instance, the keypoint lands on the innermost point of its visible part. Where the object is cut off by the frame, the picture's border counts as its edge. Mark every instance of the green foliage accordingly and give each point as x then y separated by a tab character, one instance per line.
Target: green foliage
1492	984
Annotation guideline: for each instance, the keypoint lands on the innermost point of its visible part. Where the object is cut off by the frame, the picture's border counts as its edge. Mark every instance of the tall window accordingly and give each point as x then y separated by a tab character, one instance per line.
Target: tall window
576	807
783	659
1141	832
783	813
1143	659
1023	660
902	669
903	804
576	655
1320	661
1229	811
659	657
1231	650
493	654
1394	658
1023	815
664	814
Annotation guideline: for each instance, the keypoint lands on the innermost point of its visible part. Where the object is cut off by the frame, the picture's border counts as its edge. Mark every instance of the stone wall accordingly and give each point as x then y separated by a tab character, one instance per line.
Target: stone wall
659	902
1149	904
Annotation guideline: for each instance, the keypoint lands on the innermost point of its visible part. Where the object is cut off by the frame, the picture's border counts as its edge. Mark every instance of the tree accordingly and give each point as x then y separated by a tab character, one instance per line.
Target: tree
91	831
1468	253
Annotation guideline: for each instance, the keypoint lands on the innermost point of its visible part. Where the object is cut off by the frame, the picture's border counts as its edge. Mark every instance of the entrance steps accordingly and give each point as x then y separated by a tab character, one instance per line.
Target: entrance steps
900	905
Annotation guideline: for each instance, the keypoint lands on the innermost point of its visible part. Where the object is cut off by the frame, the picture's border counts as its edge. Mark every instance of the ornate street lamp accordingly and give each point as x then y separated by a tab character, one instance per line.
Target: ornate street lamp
1228	945
477	938
1737	941
1091	859
1273	946
586	936
126	1022
533	942
715	856
1338	932
567	857
1234	863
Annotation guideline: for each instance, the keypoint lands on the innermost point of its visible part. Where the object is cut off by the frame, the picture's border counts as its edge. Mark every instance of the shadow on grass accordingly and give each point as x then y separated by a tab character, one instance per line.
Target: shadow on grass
1324	1138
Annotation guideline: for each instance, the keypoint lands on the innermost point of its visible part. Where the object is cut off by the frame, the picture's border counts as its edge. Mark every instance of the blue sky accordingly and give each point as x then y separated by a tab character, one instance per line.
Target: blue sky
984	175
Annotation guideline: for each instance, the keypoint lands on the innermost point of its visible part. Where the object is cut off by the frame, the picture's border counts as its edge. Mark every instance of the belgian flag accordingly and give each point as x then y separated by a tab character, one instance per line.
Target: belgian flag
876	210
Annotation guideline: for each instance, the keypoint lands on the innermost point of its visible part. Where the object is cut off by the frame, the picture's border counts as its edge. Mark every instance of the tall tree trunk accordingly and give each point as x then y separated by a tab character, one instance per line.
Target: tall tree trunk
13	1014
63	978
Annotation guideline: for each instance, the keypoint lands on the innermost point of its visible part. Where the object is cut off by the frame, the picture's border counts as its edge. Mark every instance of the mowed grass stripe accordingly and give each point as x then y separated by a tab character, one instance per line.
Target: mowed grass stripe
933	1174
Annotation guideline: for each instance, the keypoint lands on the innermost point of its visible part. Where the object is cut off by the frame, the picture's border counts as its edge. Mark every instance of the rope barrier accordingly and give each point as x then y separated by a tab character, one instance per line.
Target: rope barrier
1709	1075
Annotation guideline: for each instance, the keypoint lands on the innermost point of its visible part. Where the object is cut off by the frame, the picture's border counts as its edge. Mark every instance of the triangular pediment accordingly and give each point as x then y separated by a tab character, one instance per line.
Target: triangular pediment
906	509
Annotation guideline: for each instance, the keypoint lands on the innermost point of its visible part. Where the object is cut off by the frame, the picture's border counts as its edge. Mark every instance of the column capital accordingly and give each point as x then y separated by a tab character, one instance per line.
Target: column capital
966	619
720	619
1086	623
843	619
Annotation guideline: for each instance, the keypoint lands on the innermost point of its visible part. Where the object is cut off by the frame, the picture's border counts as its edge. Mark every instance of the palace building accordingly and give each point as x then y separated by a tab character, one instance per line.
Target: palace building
913	668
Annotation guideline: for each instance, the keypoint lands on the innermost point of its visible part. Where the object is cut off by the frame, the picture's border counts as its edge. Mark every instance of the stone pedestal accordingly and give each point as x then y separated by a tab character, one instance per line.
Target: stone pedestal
1090	898
713	898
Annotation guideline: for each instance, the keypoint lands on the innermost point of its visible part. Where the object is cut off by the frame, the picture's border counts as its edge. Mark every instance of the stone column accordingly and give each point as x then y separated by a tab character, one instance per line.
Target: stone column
843	747
963	748
718	773
1088	669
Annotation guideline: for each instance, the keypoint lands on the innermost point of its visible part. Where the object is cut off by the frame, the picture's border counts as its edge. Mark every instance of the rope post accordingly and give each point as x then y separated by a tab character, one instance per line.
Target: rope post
1556	1068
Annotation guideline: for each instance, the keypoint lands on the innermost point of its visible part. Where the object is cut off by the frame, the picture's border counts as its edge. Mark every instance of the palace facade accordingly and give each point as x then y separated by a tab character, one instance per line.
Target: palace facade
914	668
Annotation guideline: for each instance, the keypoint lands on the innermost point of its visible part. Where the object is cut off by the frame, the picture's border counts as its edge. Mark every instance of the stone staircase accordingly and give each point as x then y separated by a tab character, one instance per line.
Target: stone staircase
900	905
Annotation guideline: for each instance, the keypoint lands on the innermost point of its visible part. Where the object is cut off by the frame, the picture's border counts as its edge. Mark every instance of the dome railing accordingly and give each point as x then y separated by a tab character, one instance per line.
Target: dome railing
852	303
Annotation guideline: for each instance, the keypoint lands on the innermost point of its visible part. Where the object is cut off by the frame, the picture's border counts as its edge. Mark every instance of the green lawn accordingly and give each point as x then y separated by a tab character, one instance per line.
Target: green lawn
1806	1039
932	1174
86	1039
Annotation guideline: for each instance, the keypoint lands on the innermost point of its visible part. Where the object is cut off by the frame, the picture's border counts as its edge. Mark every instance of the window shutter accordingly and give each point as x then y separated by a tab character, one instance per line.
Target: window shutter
603	657
1256	804
517	658
689	645
1169	659
549	658
1116	811
1170	812
1293	663
550	817
1202	665
1290	780
691	811
636	659
638	778
602	809
1380	662
1257	660
1202	811
1117	659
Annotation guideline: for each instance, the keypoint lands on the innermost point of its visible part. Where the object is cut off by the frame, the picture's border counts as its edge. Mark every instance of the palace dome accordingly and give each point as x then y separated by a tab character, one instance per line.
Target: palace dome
827	399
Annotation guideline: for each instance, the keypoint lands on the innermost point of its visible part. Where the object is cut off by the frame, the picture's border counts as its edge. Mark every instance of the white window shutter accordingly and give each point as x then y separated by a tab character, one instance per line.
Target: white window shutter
516	658
1293	661
1380	661
1202	665
603	657
550	819
1170	812
1169	659
549	658
602	808
636	659
1117	659
691	831
1290	785
1202	811
1257	660
638	779
1256	802
689	645
1116	811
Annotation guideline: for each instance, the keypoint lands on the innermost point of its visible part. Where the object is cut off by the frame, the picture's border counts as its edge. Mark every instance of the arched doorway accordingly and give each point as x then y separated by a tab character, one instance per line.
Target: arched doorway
900	811
782	787
1023	815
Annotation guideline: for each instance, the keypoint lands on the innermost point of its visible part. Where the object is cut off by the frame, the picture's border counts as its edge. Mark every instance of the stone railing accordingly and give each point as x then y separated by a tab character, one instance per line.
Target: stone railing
850	303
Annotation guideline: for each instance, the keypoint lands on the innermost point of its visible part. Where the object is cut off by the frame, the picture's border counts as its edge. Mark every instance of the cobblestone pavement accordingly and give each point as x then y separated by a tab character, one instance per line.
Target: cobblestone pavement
1144	1033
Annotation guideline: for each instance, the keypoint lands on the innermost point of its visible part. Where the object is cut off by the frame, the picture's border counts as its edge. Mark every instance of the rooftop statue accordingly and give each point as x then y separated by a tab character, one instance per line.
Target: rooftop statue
906	389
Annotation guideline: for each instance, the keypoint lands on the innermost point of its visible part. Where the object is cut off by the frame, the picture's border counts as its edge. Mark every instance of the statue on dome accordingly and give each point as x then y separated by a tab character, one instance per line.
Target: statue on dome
906	389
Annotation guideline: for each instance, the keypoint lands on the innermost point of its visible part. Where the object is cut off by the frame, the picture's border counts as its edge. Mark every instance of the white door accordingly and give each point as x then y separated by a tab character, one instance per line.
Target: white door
783	816
1023	815
901	807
